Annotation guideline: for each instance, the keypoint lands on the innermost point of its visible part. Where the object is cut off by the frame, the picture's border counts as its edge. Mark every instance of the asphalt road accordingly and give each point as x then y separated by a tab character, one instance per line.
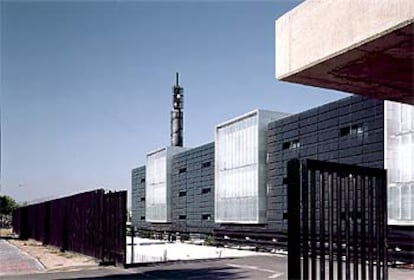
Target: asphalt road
258	267
255	268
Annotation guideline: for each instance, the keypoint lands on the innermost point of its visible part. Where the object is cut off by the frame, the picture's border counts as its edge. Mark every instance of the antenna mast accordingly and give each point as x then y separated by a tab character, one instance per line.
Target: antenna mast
177	114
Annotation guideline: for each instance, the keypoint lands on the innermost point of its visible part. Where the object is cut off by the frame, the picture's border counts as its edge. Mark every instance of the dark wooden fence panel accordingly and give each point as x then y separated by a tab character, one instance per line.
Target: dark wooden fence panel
32	221
92	223
114	224
58	223
85	212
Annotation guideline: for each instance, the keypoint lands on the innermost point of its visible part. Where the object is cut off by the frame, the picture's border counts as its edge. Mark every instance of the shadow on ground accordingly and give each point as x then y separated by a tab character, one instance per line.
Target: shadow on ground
219	273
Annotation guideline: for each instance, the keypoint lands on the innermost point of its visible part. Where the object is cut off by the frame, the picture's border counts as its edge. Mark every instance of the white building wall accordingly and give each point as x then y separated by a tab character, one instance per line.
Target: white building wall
158	185
240	158
399	162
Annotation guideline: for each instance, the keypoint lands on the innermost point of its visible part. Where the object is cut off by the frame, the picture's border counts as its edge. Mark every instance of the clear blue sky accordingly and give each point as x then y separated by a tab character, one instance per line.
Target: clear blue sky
86	86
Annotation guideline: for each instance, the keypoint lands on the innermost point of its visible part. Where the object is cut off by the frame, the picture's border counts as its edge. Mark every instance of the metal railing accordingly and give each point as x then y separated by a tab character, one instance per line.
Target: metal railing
337	221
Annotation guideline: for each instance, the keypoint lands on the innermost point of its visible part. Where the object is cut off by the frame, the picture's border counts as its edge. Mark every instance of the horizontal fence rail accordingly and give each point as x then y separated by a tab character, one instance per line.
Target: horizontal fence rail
337	217
92	223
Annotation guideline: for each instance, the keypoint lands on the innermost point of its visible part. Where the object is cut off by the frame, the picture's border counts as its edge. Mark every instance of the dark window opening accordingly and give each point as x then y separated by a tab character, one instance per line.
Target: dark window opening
182	194
206	164
142	217
285	216
206	217
353	130
182	170
143	180
291	145
206	190
182	217
142	198
344	131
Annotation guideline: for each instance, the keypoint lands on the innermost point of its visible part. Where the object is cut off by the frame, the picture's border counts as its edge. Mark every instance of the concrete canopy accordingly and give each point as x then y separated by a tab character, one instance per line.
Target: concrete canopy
363	47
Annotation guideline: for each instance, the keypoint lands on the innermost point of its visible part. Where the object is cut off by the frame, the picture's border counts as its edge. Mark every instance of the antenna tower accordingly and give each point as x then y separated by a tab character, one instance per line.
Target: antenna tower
177	114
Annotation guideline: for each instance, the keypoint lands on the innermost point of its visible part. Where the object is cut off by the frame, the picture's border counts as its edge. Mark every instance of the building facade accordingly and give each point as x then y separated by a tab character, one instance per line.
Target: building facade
347	131
354	130
193	190
138	197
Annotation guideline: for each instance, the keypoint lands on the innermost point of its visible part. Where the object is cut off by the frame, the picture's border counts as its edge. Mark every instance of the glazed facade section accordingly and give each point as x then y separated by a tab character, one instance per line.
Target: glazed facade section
240	192
399	161
158	185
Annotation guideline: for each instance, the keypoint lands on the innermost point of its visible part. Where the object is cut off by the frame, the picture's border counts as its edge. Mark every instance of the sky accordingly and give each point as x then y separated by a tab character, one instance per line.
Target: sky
86	86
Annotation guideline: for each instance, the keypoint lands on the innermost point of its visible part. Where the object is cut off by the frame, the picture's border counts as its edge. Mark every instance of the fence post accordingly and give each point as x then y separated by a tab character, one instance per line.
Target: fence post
132	244
293	184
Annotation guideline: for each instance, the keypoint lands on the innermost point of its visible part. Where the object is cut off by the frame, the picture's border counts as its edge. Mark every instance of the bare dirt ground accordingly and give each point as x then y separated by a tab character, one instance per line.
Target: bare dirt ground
52	258
5	232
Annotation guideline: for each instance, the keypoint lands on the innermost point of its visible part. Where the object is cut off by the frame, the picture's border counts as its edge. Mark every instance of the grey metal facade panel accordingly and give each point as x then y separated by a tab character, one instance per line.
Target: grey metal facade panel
197	173
320	138
138	192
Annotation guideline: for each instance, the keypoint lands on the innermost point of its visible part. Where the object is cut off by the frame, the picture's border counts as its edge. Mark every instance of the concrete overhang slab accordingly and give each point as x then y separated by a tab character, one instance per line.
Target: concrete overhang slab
363	47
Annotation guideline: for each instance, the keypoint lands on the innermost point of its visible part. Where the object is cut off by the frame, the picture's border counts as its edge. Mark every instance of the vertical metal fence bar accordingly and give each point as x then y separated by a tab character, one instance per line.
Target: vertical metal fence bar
331	219
381	232
370	230
363	229
305	220
339	227
347	251
377	228
321	226
384	228
313	223
383	239
355	243
294	267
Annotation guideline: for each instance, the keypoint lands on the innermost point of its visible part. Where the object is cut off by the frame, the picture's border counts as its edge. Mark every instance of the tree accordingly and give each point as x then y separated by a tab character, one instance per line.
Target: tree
7	205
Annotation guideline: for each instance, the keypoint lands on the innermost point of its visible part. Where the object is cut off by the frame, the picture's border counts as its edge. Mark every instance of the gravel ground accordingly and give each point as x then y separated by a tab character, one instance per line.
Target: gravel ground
149	251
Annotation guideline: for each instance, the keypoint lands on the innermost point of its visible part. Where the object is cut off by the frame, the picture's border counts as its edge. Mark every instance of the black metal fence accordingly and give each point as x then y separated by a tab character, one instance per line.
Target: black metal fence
92	223
337	221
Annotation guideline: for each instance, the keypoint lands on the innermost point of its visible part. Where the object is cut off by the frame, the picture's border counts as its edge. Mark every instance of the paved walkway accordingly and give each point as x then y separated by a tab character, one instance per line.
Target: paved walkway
13	260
